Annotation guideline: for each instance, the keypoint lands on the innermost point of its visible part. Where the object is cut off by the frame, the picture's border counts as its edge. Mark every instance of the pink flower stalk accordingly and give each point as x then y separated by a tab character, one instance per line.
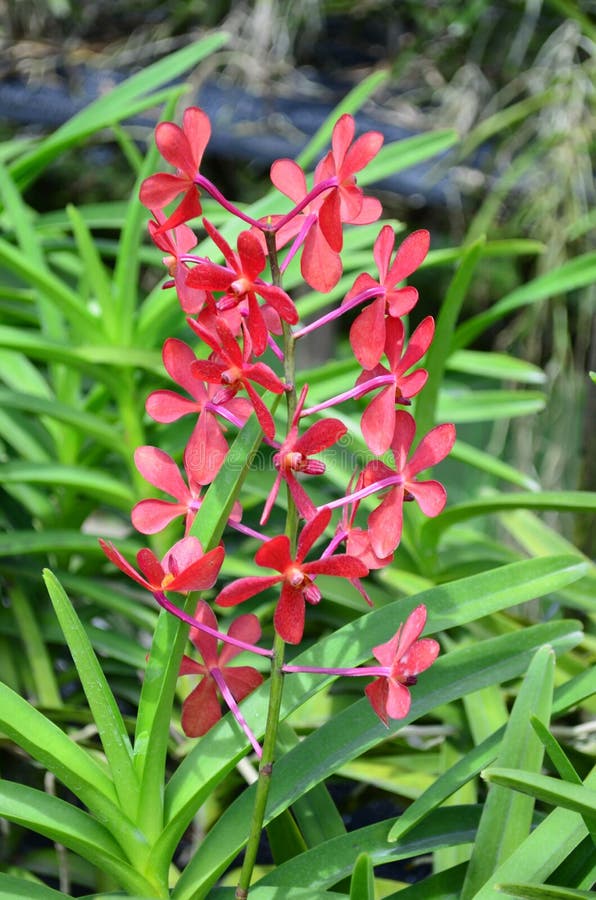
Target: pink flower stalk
160	470
404	657
239	280
367	334
385	522
201	709
183	148
209	446
184	568
296	577
293	456
357	540
176	244
232	369
378	420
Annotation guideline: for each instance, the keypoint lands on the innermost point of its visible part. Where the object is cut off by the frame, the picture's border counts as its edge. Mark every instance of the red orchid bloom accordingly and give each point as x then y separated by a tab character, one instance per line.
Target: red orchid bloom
405	657
385	523
184	568
293	456
159	469
201	710
182	148
240	281
320	220
231	368
321	267
208	441
367	334
176	243
296	577
346	202
378	420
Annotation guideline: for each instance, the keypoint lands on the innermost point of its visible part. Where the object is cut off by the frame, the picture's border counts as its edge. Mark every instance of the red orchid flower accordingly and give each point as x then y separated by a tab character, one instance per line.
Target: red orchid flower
385	522
240	281
405	657
378	420
201	710
159	469
209	444
176	243
321	267
367	334
293	456
182	148
296	577
184	568
231	368
346	202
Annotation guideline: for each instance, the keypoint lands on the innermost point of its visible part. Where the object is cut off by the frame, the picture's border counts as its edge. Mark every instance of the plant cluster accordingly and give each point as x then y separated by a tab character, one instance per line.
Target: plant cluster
124	756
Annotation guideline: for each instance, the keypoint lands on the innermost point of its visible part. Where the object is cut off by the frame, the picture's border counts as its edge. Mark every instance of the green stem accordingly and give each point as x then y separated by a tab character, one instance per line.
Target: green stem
265	770
277	676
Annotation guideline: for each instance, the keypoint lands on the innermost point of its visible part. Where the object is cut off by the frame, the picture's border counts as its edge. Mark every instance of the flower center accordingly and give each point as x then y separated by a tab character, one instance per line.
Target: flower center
167	580
296	577
240	287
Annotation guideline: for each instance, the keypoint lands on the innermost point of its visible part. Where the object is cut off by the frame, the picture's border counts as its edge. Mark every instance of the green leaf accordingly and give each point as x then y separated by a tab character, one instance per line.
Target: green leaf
355	730
30	634
542	851
543	892
408	152
52	288
495	365
64	823
12	887
87	423
91	482
564	501
284	837
577	798
570	276
461	406
362	884
436	357
470	765
103	706
506	817
49	541
72	765
94	270
488	463
325	865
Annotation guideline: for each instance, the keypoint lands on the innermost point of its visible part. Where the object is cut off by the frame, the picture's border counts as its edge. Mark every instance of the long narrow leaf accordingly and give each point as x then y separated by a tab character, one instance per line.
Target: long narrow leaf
507	818
573	692
576	273
542	851
106	715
